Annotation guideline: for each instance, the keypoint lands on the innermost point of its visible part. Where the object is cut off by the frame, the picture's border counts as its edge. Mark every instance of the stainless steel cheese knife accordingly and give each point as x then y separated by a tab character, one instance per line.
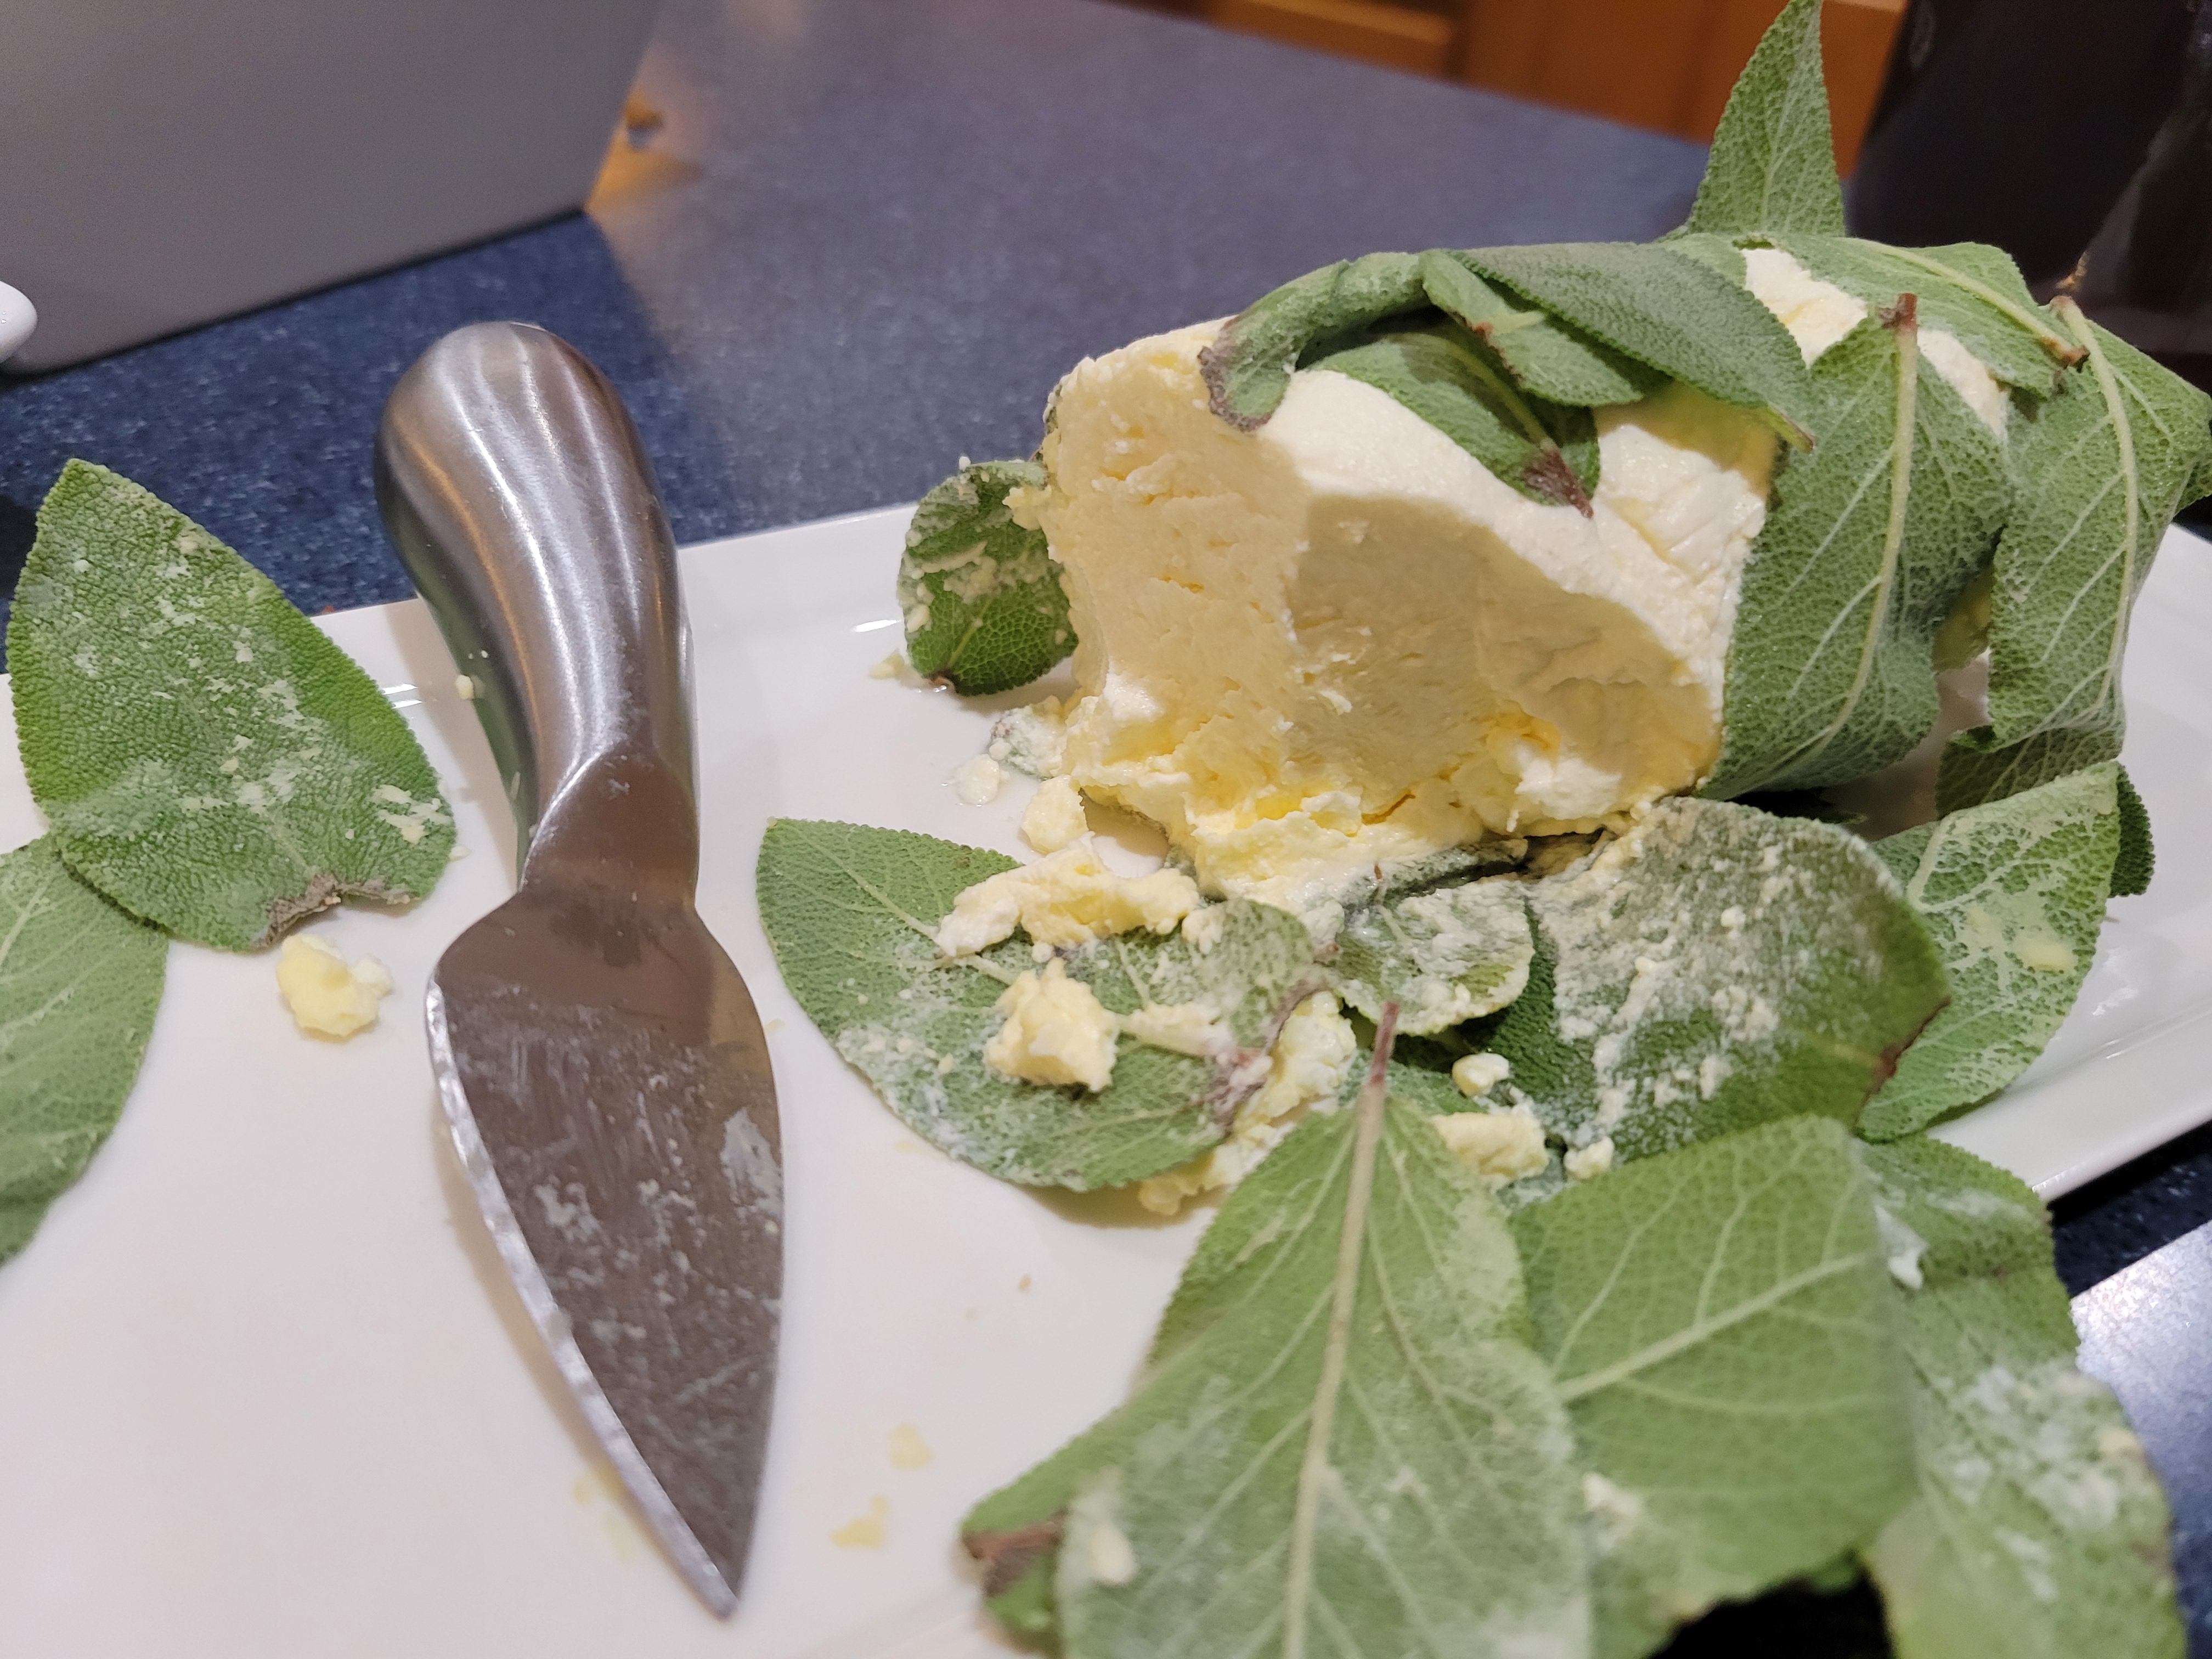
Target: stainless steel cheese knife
599	1059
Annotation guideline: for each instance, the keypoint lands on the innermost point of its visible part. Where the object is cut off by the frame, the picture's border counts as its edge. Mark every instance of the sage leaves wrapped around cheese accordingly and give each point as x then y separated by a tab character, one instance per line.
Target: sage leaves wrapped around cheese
204	756
2103	467
79	983
1870	541
981	598
851	913
2037	1530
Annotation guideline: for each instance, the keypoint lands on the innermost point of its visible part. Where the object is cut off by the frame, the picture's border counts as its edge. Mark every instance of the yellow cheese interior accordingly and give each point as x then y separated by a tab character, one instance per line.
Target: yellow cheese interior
1341	640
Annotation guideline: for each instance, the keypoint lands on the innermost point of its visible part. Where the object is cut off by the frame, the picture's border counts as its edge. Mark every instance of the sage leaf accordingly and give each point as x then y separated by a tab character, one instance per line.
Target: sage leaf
2012	893
1354	1452
1969	289
2038	1531
1773	161
981	598
203	755
1548	357
1718	1322
1248	366
1670	312
1545	452
1712	970
2138	857
79	983
1444	956
1869	542
2101	468
852	913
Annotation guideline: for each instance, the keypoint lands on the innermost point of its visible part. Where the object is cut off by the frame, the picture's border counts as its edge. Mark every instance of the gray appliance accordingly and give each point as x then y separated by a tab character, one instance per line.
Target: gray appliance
163	164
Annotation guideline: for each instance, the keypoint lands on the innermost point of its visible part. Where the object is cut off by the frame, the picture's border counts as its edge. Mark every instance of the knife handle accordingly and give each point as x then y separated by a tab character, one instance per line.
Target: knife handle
515	489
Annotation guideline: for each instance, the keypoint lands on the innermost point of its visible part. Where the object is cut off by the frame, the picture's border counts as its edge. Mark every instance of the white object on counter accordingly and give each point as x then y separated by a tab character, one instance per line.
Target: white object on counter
18	317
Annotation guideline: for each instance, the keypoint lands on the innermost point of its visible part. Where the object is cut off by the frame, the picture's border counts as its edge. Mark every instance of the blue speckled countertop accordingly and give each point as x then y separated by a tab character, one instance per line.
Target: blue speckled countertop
867	239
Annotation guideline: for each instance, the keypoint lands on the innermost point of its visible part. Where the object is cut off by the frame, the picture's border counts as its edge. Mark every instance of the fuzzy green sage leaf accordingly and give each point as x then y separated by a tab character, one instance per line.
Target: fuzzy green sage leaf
1714	968
1670	312
1248	366
204	756
2038	1531
1545	452
2012	893
852	913
1773	162
1717	1319
79	983
981	596
2101	469
1352	1451
1444	956
1541	353
1869	542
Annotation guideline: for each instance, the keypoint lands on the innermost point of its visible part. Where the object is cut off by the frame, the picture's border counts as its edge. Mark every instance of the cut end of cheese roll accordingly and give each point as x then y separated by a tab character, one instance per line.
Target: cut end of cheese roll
1340	640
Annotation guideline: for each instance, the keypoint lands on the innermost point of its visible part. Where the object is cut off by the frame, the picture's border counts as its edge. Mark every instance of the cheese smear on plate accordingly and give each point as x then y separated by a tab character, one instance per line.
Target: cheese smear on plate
1341	640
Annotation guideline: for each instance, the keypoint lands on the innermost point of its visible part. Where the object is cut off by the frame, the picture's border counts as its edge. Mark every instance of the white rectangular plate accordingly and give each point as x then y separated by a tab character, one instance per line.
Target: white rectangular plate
264	1389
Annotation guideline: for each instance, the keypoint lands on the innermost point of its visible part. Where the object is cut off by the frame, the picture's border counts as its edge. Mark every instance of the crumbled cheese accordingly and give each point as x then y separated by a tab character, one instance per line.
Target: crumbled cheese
1588	1162
1056	1032
908	1451
1204	928
1341	640
1478	1075
1306	1068
1107	1552
976	782
1499	1147
327	997
1186	1028
1069	897
1054	817
865	1532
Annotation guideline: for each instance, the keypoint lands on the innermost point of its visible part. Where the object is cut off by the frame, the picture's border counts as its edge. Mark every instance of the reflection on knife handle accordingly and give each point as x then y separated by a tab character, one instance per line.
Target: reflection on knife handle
521	502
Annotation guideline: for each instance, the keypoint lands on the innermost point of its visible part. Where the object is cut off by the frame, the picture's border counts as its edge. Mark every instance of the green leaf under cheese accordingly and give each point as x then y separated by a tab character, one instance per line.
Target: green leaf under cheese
1444	956
1669	312
1773	162
2038	1531
1346	1446
2012	893
1718	1322
79	983
981	596
852	913
204	756
2100	470
1436	370
1870	541
1714	968
1248	366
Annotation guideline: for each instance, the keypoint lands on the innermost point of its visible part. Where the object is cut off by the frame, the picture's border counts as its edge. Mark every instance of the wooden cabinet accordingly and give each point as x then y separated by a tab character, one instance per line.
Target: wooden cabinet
1666	64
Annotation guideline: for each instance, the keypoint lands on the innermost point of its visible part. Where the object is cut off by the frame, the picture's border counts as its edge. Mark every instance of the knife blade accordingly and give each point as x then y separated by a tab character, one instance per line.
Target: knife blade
599	1059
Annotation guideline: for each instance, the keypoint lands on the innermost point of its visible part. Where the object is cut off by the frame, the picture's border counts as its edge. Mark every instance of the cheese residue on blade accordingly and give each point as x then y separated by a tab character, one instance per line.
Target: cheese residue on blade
1339	640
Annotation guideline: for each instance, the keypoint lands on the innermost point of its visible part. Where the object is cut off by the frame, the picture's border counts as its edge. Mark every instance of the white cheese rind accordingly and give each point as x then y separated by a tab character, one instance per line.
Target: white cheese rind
1339	640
